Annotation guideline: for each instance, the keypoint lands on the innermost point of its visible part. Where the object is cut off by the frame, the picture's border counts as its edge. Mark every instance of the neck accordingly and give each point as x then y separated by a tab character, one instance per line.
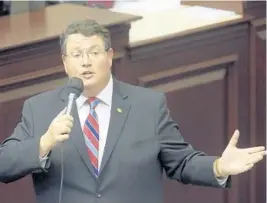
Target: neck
91	92
94	91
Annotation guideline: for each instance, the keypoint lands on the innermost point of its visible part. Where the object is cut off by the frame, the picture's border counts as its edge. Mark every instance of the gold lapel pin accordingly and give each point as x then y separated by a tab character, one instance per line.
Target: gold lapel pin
119	110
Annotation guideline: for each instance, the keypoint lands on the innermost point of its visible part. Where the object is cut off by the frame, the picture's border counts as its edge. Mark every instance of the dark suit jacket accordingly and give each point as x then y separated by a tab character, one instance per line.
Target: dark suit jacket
142	141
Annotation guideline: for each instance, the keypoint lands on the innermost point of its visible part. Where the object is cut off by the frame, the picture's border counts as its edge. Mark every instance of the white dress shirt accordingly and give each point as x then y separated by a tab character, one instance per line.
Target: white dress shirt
103	110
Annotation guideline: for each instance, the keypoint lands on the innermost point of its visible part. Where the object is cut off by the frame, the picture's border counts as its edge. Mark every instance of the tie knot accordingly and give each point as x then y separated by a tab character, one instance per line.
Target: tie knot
93	102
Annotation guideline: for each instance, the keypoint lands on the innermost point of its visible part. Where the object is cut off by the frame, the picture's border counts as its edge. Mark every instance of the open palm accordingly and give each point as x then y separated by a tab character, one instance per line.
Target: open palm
235	160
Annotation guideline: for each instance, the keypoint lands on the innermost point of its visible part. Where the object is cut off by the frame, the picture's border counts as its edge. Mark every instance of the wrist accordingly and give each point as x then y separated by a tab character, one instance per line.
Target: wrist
219	173
45	145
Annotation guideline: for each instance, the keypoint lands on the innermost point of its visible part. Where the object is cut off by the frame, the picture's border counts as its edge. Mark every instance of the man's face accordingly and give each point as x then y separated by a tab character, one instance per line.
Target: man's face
87	59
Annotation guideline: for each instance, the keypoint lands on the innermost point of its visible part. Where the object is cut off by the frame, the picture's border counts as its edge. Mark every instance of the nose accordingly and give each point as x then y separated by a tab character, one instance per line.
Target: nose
86	61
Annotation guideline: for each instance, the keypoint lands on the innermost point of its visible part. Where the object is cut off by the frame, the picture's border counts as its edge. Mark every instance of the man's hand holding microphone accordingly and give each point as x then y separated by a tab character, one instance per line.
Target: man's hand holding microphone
60	128
58	131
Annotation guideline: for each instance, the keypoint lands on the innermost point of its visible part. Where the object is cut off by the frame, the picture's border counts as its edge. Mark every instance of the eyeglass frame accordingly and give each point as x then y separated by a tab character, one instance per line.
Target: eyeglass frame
88	53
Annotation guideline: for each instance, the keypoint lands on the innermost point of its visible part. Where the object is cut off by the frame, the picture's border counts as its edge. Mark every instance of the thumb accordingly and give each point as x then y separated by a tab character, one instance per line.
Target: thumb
62	111
234	139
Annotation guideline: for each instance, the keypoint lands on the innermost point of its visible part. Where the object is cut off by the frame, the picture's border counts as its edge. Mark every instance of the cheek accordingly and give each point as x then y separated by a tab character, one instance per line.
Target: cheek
71	70
102	67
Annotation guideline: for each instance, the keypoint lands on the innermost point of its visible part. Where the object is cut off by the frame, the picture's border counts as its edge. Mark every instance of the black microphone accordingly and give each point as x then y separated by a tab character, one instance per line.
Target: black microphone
75	89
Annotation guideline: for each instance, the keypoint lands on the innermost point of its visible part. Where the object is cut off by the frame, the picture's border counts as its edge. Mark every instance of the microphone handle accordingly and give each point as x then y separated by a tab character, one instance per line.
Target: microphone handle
70	103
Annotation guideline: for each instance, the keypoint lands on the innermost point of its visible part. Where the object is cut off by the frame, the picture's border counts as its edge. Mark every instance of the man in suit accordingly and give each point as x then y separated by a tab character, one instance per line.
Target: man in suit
116	143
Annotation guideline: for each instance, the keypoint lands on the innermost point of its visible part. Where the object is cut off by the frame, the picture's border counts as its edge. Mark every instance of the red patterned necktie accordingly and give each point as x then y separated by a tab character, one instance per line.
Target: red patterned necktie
91	131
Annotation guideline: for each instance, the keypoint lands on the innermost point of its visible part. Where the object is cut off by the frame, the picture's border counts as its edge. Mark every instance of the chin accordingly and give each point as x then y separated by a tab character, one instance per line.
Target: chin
89	83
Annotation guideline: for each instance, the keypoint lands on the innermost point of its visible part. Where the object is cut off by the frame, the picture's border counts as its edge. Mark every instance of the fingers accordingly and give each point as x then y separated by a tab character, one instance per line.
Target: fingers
63	137
61	126
255	149
234	139
255	158
58	131
63	129
247	167
68	123
63	118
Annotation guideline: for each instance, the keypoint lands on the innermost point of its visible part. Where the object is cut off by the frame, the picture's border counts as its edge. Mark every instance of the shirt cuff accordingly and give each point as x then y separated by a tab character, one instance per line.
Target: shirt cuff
43	160
222	181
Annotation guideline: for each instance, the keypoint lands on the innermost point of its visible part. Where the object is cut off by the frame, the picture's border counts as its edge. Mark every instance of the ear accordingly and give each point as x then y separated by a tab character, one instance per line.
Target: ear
64	63
110	56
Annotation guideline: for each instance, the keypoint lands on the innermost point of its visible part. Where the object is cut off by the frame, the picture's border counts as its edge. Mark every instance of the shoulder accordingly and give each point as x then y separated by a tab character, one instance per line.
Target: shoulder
43	98
142	94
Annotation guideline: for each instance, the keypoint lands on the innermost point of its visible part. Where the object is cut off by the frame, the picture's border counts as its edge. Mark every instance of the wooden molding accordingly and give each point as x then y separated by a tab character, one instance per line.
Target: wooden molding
188	76
188	41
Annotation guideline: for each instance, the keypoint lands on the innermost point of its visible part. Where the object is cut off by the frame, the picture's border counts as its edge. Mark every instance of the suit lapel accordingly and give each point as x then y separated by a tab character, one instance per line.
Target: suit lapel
77	135
119	112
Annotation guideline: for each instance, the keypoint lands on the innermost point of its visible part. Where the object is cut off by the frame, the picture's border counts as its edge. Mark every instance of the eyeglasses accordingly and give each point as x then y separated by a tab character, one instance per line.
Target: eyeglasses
78	55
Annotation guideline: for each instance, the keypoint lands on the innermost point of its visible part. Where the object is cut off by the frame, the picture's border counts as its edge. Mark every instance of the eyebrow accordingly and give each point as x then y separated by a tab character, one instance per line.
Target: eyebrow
92	47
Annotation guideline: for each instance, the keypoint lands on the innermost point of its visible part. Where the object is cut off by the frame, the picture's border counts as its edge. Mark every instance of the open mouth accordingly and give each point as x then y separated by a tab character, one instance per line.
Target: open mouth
87	74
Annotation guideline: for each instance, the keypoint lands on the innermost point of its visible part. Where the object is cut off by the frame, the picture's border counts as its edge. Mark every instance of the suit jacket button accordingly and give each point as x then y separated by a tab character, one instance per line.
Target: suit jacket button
98	195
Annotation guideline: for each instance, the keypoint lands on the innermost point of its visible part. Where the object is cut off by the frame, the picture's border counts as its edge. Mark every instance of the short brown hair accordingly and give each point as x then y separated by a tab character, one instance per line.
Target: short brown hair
87	28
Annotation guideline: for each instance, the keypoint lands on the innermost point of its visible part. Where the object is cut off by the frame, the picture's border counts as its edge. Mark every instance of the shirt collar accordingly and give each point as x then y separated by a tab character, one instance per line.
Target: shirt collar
105	95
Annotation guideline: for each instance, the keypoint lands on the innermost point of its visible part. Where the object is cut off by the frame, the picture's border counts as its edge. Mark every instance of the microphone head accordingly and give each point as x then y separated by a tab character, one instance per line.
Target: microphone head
75	86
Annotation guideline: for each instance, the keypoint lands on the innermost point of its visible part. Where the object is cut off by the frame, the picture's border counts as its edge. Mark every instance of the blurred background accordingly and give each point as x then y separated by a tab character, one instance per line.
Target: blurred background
209	57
